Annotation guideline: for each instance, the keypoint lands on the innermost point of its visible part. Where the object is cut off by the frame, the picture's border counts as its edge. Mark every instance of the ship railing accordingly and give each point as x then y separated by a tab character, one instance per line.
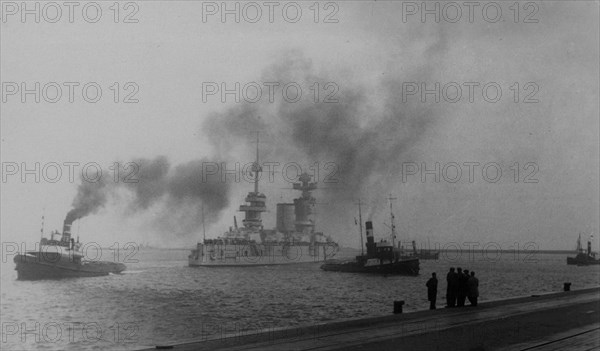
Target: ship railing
253	253
229	241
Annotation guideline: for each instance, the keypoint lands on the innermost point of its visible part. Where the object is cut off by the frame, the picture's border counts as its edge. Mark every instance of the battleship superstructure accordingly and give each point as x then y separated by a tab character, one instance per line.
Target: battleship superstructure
293	240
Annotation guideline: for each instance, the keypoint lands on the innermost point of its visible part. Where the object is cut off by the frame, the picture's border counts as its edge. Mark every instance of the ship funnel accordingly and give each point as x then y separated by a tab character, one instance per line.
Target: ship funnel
370	239
369	227
589	248
66	236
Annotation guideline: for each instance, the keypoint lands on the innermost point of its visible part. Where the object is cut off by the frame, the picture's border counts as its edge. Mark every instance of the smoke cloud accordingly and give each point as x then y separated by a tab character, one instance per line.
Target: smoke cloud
366	134
150	182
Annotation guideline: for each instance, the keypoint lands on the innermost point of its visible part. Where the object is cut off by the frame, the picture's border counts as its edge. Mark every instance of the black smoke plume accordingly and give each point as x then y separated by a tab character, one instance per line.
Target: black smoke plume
367	133
154	181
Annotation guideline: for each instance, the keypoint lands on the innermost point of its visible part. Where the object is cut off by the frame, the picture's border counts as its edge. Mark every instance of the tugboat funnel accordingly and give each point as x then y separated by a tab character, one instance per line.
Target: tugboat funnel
66	236
369	227
370	239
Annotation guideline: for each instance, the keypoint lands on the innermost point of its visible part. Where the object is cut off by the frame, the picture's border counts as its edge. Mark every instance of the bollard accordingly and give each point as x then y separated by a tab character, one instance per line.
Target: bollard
567	287
398	306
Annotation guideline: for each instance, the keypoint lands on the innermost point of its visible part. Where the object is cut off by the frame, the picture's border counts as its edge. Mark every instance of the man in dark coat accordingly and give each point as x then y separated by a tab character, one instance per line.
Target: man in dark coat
473	292
452	281
432	291
465	285
461	291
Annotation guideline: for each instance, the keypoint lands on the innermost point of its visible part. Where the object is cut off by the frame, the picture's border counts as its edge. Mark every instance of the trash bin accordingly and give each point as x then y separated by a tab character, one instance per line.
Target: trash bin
567	287
398	306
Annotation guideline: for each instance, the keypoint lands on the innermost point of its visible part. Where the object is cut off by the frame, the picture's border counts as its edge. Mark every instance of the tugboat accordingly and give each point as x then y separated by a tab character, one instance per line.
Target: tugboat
59	258
583	258
293	240
381	257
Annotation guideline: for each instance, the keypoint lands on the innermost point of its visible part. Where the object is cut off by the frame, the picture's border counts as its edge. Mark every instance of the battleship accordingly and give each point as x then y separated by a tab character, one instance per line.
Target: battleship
583	257
381	257
293	240
60	257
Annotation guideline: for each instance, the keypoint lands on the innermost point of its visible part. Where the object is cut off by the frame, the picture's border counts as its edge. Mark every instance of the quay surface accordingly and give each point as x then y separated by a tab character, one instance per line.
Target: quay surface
556	321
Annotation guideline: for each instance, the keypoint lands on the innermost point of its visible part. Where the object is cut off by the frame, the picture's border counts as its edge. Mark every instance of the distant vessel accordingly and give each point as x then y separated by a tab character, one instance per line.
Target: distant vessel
61	258
583	258
381	257
293	240
425	254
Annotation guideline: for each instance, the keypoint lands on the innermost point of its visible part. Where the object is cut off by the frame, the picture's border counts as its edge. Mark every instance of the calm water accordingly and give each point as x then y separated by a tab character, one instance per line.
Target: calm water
160	299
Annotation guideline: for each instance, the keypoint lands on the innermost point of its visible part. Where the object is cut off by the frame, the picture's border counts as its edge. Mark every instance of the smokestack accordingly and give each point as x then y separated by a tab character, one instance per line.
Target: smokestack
66	235
370	239
369	227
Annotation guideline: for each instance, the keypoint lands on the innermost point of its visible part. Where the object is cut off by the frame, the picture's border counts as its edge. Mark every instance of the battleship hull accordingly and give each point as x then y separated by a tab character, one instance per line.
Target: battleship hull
215	255
399	267
38	266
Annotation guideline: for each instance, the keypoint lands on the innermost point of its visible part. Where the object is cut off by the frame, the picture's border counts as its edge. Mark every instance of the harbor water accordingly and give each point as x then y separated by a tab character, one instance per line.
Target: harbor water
159	299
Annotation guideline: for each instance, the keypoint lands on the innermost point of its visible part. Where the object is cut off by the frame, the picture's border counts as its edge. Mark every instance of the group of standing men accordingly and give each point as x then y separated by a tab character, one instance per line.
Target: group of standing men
461	285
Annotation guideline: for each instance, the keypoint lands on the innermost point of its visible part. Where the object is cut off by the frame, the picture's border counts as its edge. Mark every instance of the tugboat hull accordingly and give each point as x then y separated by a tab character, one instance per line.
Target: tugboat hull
582	260
36	266
401	267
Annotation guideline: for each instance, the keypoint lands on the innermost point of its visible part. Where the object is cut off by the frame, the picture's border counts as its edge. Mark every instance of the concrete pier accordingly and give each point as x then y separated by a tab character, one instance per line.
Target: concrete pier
558	321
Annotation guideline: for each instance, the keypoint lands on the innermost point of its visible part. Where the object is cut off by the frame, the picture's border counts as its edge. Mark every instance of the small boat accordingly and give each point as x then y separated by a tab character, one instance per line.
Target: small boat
61	258
583	257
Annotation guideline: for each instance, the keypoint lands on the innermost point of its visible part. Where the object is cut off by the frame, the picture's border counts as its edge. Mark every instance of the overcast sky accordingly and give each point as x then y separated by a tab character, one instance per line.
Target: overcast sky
543	58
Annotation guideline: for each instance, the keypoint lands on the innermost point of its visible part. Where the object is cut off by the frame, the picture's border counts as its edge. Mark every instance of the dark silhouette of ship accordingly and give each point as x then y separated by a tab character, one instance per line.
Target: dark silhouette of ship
381	257
583	257
59	258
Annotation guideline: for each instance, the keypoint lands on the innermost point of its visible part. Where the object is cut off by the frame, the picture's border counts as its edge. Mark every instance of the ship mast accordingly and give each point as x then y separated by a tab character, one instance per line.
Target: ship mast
362	249
392	221
255	201
42	233
203	228
256	167
42	230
